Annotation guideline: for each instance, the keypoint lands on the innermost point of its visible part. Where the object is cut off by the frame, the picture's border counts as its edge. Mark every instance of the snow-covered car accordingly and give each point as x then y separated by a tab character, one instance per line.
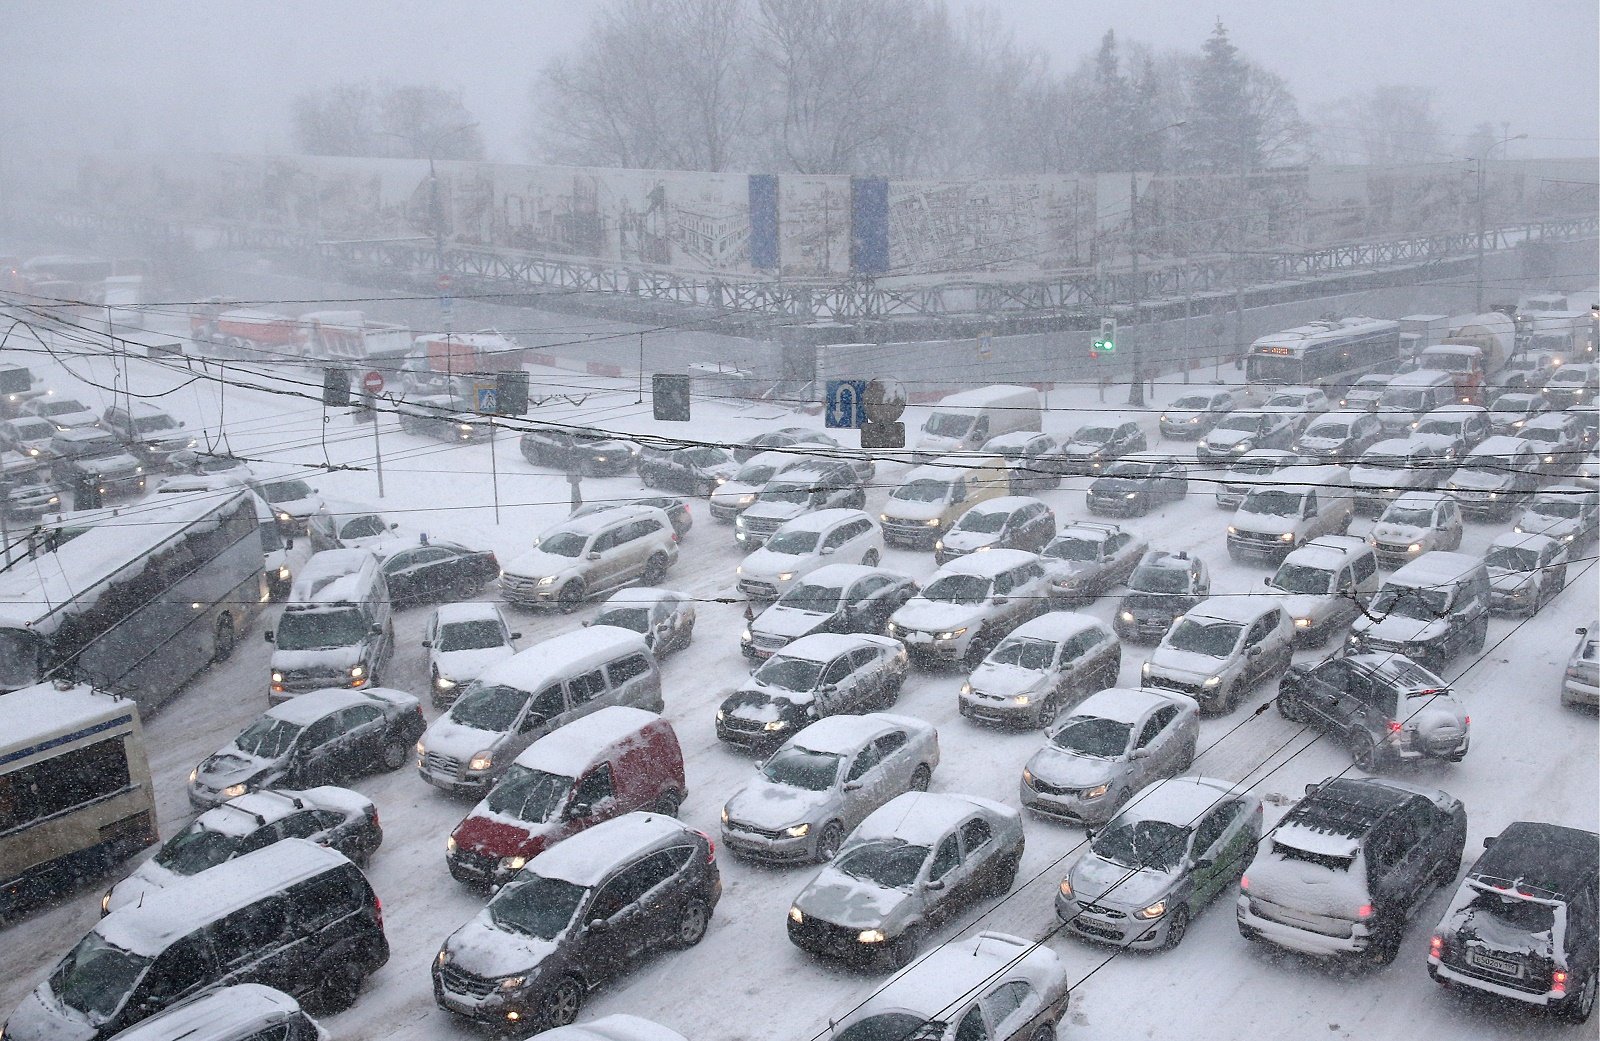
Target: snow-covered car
329	816
89	455
1324	584
664	618
837	598
1047	664
1365	392
27	491
1136	484
1580	684
1461	427
675	508
1222	648
1559	438
696	470
293	502
969	605
619	1026
991	986
1160	590
784	437
1087	559
1385	708
592	554
462	640
819	485
1115	743
321	737
1496	477
1240	432
28	435
1009	522
149	432
1527	371
1339	437
1300	404
1414	524
806	543
1191	416
739	491
1525	572
1394	466
1511	412
1094	446
356	530
1575	384
588	452
823	674
1035	459
1430	610
1247	471
576	916
1159	862
822	782
62	413
917	860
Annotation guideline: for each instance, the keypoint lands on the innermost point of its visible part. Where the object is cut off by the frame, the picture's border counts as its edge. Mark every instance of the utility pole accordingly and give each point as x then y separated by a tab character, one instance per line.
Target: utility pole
1136	387
1480	161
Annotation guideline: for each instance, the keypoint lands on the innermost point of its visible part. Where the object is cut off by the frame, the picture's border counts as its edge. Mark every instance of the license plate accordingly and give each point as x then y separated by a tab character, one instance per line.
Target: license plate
1504	966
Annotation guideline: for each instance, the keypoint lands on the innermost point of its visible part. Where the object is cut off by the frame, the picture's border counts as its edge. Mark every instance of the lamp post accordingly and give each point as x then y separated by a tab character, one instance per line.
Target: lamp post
1479	161
1136	390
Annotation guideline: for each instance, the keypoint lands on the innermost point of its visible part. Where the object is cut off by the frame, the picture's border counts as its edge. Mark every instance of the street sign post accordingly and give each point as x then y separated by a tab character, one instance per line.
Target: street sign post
842	408
372	383
485	398
985	346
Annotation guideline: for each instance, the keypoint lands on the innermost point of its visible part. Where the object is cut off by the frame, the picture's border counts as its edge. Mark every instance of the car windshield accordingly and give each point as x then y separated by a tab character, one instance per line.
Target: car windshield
1511	403
755	473
1383	462
1286	401
1214	639
1568	509
706	456
1484	471
1131	468
923	489
316	629
493	709
1157	845
1298	578
893	1026
794	543
985	521
1072	548
32	430
1442	427
563	544
796	674
476	634
1406	399
1093	435
96	977
1546	434
285	491
1237	422
1273	502
1192	403
1093	736
1410	602
1409	516
890	863
798	494
1512	558
1523	916
536	906
635	618
1333	431
815	598
529	795
802	768
150	424
957	589
192	851
1156	579
948	424
60	407
267	738
1025	653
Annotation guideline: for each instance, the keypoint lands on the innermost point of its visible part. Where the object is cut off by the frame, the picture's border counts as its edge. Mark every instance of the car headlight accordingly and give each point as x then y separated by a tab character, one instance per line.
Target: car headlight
277	677
443	683
721	715
951	634
443	958
1022	699
1155	910
746	500
1127	616
512	864
421	750
450	844
745	636
1027	777
513	982
547	580
870	936
1066	888
775	725
1144	670
194	775
105	908
1205	444
284	517
724	815
720	481
784	576
1302	623
799	831
235	790
1415	547
1131	496
739	523
481	761
738	569
1232	530
283	573
1515	426
966	688
1097	791
796	915
938	544
931	522
1213	681
1241	446
357	671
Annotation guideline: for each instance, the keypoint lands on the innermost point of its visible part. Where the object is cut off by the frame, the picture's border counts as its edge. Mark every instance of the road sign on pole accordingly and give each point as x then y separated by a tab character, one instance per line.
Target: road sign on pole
486	396
985	346
842	407
372	383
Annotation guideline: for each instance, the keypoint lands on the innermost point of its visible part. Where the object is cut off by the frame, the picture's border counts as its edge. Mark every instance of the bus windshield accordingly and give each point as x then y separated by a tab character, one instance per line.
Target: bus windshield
19	659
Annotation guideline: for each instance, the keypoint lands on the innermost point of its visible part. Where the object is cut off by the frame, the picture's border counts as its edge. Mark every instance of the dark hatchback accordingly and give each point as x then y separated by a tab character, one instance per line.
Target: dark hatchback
437	571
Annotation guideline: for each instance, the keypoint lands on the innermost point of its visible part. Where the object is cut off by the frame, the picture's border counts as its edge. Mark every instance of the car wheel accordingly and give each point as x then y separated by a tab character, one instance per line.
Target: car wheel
870	558
829	840
655	569
395	754
1579	1007
1480	635
921	777
570	597
225	639
667	803
904	948
692	924
1177	927
1045	1032
562	1006
1049	708
1288	709
975	651
338	984
1364	751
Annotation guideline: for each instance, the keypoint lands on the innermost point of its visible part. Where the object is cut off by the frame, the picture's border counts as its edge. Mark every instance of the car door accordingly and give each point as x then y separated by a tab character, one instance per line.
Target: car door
1412	859
1324	696
980	859
1210	864
366	731
942	893
896	764
1010	1010
543	713
865	608
616	926
864	784
594	799
319	755
1158	745
835	691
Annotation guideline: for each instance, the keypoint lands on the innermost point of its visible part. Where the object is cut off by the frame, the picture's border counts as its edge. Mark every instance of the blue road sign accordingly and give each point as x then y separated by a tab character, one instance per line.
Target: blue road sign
843	404
487	397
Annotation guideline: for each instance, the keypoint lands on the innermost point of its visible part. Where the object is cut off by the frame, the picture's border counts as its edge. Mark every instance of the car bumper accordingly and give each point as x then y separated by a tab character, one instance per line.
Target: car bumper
761	588
1067	807
908	537
1184	431
1271	552
1293	938
1452	977
766	849
1577	692
471	784
1111	925
926	651
752	740
1116	505
1004	711
833	941
1143	630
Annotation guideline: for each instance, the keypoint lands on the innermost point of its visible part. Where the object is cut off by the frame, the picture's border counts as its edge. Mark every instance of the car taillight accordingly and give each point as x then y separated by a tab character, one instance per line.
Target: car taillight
1364	911
377	911
711	847
1469	721
372	817
1436	947
1394	726
1558	982
1244	881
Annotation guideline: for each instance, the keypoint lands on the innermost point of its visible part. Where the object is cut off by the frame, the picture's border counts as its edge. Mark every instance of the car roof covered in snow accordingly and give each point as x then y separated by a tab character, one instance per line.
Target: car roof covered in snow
1521	540
1551	420
843	734
1127	704
319	577
1180	800
1240	608
818	520
307	708
1003	504
586	858
1056	626
165	915
936	985
986	565
569	750
1325	556
828	646
589	523
1435	568
1501	445
640	596
618	1026
243	814
1419	500
467	611
533	668
923	818
239	1010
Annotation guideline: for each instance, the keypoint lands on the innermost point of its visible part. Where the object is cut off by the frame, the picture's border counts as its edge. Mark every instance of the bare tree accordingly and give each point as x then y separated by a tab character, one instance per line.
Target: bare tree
392	120
1391	123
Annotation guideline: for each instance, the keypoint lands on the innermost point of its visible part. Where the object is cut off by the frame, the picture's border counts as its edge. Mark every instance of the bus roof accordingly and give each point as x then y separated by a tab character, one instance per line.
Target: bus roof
33	592
1303	336
35	717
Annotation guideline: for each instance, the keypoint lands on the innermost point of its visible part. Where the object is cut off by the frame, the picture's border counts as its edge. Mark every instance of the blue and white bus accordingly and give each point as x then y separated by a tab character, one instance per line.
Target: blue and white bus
1331	353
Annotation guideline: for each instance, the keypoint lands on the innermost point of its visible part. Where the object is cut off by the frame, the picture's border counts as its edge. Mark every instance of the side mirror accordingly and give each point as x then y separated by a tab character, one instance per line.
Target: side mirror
532	722
376	630
594	556
516	636
1255	652
270	636
579	809
1088	833
1204	864
827	551
1312	789
1139	753
394	525
427	643
999	601
934	884
1488	840
1267	581
852	786
588	622
598	925
288	543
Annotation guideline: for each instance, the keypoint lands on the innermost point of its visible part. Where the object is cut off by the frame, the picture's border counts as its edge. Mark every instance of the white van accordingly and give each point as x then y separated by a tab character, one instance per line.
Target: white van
964	422
1276	518
1411	395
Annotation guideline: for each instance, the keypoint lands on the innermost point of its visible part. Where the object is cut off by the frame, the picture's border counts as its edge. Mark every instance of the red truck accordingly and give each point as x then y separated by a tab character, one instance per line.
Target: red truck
218	327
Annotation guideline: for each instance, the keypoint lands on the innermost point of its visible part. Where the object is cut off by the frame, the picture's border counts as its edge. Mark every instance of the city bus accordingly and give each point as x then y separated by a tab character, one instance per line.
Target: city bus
1331	353
140	602
75	791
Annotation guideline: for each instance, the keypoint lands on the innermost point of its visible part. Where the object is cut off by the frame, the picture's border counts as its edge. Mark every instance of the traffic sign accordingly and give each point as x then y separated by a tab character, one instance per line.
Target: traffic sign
985	346
444	282
486	395
842	408
372	382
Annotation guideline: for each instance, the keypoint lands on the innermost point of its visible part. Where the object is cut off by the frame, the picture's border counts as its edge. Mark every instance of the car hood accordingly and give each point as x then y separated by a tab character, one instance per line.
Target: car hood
969	540
1118	485
1229	438
1307	605
148	878
41	1018
764	563
779	511
231	766
298	507
447	737
1554	527
539	564
762	704
918	613
498	835
317	658
1060	570
912	510
1169	661
107	464
1094	878
1081	449
787	621
1323	444
1069	770
483	950
1388	532
854	903
1479	480
729	492
1501	579
462	666
775	806
1005	680
1397	629
1264	523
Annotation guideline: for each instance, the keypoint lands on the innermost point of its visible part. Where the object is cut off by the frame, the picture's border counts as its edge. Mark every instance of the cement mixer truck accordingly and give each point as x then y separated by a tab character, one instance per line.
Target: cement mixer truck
1473	349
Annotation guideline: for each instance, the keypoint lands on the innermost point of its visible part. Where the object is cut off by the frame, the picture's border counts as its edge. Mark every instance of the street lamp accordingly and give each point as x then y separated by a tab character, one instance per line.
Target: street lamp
1479	161
1136	391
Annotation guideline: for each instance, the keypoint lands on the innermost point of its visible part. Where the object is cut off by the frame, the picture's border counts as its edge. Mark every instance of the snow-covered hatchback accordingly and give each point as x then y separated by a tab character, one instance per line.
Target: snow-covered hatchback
803	545
1222	648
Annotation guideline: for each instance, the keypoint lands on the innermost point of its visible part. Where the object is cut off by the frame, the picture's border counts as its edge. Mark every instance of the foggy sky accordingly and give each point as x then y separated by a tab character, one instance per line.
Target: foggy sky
219	75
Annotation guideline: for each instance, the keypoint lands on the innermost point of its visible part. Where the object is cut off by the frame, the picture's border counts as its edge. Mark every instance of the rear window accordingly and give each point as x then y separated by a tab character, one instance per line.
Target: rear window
1327	860
1520	914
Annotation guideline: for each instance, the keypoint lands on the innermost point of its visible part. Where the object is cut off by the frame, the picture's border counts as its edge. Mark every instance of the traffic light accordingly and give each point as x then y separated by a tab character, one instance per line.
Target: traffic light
1106	343
670	396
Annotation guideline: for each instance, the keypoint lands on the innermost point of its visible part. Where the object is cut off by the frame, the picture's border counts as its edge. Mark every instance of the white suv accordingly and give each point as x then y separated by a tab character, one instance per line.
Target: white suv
591	554
969	605
806	543
1219	650
1414	524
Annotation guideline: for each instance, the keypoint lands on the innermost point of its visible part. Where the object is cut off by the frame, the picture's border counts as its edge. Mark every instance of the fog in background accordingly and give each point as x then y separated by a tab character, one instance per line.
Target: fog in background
220	76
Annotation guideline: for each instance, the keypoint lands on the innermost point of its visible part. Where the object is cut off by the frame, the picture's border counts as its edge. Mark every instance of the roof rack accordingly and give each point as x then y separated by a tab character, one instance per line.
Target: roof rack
1338	808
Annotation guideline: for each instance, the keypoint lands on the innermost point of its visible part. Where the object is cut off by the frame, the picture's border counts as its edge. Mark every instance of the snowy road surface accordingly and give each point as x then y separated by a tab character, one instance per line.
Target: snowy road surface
1530	758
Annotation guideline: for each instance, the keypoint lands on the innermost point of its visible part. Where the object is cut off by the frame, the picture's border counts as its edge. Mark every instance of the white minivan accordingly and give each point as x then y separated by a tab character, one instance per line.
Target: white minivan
964	422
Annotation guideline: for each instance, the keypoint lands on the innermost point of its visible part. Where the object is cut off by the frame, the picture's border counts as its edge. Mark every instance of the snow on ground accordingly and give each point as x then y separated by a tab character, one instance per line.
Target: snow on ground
1530	758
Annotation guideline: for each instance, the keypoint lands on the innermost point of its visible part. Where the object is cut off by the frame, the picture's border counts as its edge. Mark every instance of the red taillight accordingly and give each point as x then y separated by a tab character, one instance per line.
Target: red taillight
494	562
377	911
711	847
373	817
1394	726
1364	911
1244	881
1558	982
1436	947
1469	721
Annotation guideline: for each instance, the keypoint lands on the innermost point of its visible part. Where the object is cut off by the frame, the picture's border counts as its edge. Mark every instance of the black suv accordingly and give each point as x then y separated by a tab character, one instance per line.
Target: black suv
1523	924
592	452
1349	864
697	470
93	460
1136	484
441	416
1385	706
581	912
1160	591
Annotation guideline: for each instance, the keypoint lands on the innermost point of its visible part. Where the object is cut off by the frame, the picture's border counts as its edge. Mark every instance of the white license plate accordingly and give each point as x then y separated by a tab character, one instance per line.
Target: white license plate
1504	966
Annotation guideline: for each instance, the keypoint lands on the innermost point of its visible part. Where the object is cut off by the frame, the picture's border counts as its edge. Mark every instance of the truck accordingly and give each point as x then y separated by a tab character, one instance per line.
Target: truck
1474	349
313	337
485	351
1548	321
